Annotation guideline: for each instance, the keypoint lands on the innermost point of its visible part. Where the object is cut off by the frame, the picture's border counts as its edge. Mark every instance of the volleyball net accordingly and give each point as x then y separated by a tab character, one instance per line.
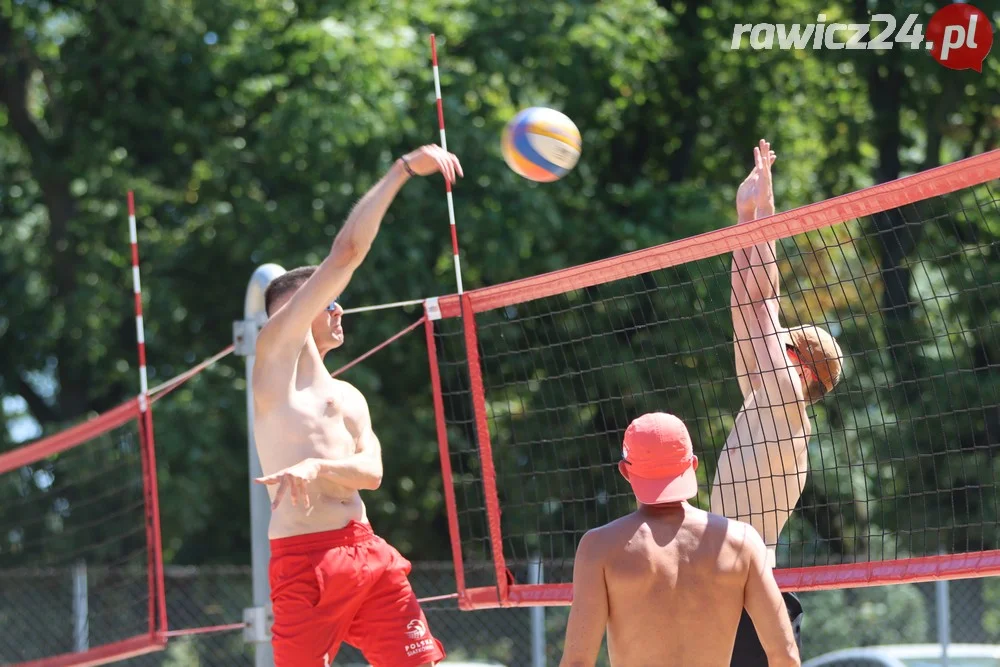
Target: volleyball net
81	555
80	523
537	380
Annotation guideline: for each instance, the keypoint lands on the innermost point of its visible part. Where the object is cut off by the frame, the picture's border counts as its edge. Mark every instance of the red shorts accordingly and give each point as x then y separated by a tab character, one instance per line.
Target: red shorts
346	585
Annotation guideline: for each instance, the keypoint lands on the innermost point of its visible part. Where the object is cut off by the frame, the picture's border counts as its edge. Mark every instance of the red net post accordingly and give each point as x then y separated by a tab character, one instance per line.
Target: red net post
477	390
442	438
901	463
462	464
158	600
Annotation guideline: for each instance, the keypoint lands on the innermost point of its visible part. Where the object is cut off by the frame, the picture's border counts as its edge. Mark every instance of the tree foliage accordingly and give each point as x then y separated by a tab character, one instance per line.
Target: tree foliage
249	129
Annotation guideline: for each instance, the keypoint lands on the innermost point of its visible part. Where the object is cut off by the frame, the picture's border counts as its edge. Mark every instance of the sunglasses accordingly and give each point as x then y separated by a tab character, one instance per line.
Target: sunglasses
333	305
812	369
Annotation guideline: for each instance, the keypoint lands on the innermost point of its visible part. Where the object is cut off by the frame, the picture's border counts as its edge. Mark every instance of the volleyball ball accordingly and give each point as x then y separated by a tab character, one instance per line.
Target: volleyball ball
541	144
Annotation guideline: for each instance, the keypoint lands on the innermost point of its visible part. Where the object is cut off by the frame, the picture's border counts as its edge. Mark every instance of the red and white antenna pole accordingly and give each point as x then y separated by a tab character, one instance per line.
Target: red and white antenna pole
447	184
157	596
137	289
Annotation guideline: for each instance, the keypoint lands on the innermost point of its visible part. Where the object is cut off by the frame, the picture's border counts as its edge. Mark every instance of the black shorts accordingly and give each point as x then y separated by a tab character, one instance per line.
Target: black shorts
747	652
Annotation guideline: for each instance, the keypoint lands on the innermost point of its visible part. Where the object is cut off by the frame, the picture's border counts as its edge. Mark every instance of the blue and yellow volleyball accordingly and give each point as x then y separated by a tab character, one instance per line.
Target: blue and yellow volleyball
541	144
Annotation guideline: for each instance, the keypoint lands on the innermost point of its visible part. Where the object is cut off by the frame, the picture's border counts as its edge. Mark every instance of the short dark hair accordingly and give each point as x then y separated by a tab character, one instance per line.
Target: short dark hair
287	282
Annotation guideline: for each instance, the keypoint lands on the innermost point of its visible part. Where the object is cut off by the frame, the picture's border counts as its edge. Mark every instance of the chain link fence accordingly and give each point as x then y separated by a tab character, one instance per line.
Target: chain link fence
213	595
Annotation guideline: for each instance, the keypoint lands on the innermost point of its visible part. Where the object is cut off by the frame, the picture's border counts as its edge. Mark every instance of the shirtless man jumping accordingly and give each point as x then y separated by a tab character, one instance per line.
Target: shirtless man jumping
763	466
332	579
668	582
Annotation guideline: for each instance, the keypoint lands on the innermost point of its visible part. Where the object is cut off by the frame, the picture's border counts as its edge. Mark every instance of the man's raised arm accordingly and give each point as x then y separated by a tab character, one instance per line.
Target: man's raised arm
286	330
748	208
755	301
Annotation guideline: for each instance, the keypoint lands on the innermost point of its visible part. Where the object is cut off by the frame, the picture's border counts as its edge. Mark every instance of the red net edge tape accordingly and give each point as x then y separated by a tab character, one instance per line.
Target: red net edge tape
24	455
71	437
102	655
875	199
814	578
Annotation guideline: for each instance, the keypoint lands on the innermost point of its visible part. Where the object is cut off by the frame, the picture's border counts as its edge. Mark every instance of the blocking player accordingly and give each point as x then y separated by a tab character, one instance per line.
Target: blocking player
669	581
763	466
332	579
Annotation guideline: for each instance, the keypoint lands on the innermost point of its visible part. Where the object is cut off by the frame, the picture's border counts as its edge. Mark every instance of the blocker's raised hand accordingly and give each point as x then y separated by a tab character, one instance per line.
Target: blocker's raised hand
755	191
764	157
431	159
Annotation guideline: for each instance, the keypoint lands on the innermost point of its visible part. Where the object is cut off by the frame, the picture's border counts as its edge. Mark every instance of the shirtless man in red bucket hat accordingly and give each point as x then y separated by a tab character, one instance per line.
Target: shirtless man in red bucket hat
668	582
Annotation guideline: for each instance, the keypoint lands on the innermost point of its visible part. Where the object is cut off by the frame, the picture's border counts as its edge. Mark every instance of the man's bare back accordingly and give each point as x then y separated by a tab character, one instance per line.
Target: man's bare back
669	582
682	559
763	467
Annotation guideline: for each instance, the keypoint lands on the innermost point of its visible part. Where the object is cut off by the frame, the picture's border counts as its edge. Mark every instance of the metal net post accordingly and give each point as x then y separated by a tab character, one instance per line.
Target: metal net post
259	617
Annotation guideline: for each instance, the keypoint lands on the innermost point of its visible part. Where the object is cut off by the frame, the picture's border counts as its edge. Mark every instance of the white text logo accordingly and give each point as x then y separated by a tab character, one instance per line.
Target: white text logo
959	36
822	35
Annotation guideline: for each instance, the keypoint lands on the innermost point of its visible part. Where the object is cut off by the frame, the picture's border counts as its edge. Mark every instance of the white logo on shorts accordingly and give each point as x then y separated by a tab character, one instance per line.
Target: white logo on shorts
415	629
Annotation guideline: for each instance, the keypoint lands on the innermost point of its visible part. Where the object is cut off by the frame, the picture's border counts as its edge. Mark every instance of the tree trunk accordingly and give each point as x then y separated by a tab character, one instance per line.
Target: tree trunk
685	120
47	167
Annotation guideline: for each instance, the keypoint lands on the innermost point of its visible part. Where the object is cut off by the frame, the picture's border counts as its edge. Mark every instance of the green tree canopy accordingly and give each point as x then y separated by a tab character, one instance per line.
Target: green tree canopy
249	129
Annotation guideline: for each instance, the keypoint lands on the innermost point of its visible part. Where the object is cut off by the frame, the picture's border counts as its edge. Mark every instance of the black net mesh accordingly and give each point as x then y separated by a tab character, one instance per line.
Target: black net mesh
466	465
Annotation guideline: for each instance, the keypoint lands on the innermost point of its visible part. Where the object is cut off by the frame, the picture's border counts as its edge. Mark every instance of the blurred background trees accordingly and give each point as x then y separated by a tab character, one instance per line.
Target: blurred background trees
249	129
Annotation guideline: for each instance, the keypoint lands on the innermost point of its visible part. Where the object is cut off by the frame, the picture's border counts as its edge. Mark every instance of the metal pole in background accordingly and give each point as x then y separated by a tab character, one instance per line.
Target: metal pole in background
941	597
536	576
81	641
258	618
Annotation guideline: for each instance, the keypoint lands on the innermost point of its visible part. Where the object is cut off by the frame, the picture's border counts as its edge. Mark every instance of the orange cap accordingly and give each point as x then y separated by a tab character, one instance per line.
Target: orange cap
658	461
